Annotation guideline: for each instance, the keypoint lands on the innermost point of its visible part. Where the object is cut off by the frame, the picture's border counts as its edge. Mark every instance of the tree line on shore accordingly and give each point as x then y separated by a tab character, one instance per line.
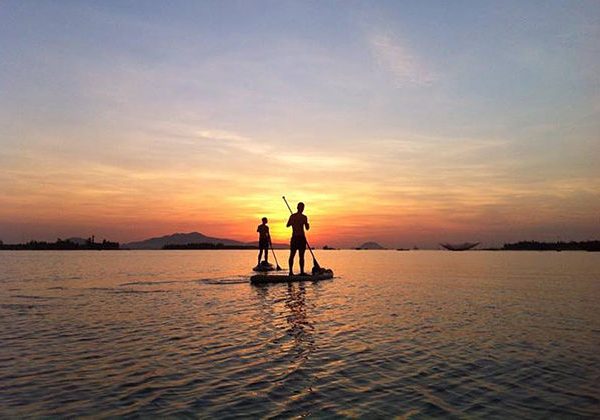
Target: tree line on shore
208	245
61	245
553	246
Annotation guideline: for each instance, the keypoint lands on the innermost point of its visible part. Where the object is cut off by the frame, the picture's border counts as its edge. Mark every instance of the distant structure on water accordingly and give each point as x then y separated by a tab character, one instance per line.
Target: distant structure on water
460	247
370	245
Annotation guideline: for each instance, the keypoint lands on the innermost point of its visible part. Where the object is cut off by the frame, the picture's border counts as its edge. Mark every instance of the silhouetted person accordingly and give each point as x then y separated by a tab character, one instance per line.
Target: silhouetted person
264	238
298	222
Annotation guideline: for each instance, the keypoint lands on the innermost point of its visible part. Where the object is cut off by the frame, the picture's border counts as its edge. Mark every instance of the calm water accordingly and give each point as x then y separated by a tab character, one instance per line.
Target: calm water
416	334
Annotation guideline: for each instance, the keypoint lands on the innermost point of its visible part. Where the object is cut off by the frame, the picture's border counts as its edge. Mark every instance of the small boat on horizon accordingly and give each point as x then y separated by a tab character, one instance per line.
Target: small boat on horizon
460	247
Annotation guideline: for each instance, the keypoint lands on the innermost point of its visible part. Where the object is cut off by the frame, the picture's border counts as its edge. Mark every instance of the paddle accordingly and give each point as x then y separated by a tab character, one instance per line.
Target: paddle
274	256
316	267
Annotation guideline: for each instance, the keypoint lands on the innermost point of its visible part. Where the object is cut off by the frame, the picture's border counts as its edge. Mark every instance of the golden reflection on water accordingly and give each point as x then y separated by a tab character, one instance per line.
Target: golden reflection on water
293	318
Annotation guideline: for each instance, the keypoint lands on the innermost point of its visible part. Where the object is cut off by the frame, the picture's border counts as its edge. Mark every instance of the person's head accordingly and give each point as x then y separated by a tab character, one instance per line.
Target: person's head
300	207
264	220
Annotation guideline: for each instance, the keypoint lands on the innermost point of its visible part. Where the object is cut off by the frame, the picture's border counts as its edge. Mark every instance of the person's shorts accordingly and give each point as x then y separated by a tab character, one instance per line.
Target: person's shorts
298	243
263	244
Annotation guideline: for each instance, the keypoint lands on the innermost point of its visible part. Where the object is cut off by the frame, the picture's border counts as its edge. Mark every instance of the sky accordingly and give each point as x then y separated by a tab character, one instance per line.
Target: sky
402	122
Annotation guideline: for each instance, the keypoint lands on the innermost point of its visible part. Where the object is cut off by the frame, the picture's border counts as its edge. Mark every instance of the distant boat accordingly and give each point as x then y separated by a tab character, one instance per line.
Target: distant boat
460	247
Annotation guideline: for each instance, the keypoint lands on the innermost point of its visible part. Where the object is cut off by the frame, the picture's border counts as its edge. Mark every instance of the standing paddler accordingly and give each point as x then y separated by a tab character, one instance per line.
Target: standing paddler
264	240
298	222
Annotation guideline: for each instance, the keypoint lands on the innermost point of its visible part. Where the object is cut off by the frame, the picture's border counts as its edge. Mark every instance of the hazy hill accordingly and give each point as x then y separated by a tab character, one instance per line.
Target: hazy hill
189	238
370	245
179	239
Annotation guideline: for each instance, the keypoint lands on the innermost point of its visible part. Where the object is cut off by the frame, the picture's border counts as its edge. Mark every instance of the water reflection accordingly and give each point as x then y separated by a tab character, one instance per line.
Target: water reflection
298	325
286	312
422	334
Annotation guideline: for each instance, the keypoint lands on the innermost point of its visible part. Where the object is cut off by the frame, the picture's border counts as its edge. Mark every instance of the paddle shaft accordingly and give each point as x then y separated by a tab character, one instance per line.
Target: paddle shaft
274	256
307	244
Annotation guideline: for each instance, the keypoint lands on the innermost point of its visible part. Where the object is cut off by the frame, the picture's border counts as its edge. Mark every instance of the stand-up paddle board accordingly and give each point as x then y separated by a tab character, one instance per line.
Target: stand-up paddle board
264	266
286	278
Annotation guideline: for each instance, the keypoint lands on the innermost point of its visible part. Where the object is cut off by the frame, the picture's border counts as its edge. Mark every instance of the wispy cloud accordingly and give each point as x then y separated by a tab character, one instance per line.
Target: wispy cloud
322	162
397	58
222	135
194	135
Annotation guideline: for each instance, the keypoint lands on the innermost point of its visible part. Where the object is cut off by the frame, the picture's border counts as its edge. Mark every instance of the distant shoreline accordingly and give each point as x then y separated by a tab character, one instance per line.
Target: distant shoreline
9	248
62	245
204	246
67	245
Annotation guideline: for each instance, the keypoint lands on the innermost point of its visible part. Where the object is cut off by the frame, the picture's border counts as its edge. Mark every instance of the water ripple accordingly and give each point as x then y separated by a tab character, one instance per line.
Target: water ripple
424	343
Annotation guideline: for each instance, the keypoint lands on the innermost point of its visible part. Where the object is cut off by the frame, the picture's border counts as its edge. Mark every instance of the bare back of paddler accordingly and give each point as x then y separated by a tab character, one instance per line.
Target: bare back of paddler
298	222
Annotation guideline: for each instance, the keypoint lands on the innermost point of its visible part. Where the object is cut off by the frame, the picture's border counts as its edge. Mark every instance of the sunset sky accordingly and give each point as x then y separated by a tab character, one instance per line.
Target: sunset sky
407	123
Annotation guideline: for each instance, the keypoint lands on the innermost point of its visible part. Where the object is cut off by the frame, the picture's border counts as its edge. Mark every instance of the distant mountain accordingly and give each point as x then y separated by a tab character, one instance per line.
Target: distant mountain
370	245
190	238
180	239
